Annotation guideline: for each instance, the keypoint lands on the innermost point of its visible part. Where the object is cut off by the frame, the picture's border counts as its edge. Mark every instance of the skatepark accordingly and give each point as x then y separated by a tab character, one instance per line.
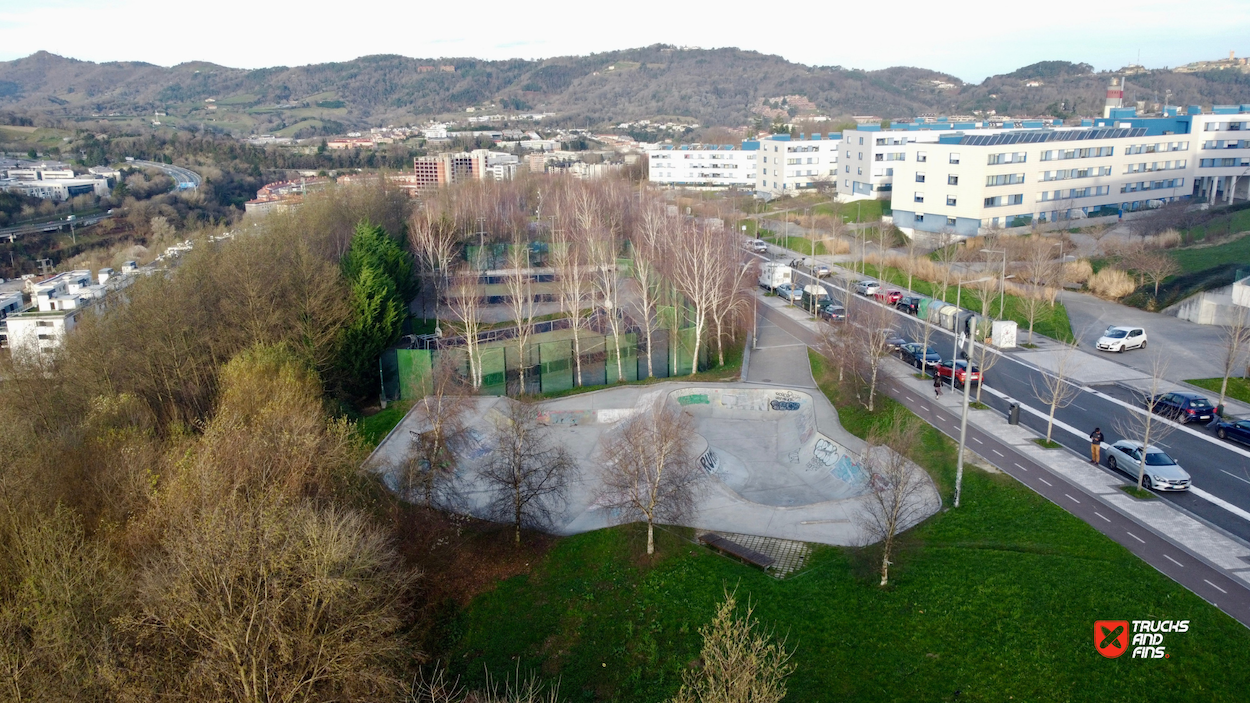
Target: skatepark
776	463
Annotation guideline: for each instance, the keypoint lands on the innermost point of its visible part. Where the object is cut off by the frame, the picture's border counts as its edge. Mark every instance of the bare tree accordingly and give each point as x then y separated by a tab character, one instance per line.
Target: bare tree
568	258
694	274
733	290
1156	266
648	469
648	246
1236	338
465	301
434	240
519	282
604	246
898	498
739	663
432	457
1144	425
527	472
1054	387
870	333
1032	301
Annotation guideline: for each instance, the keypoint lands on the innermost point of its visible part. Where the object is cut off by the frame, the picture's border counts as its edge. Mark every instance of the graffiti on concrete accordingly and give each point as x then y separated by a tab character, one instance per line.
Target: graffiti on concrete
694	399
710	462
783	405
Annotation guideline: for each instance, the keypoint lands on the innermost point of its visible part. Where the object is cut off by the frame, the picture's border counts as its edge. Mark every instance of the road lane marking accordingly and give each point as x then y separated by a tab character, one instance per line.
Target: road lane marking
997	452
1216	587
1130	534
1173	561
1101	516
1235	476
974	439
1074	500
1021	467
1045	482
1220	502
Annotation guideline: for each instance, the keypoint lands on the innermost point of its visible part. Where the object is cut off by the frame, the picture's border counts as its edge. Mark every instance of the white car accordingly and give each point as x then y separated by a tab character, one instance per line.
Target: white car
1162	471
867	287
1118	339
759	246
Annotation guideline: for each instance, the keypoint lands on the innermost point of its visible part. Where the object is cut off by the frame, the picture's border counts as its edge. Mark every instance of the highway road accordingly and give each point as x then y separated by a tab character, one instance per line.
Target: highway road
1220	469
180	175
1209	583
52	226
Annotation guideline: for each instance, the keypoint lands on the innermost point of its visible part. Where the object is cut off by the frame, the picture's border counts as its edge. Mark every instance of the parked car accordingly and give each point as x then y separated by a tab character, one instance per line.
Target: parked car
789	292
1183	407
959	370
1238	430
889	297
893	340
831	311
909	304
867	287
813	295
821	271
759	246
918	355
1118	339
1162	473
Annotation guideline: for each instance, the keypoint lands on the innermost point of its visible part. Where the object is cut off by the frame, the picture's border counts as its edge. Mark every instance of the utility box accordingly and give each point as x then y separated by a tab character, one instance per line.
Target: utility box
1003	334
1013	413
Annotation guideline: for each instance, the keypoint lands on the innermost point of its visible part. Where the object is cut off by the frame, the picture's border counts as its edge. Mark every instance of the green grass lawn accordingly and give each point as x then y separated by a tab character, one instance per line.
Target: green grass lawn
1051	322
800	244
1238	388
994	601
858	211
1227	223
375	427
1193	259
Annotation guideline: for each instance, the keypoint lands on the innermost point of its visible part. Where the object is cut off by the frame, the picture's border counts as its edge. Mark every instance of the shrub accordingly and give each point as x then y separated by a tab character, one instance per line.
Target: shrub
1110	283
1078	271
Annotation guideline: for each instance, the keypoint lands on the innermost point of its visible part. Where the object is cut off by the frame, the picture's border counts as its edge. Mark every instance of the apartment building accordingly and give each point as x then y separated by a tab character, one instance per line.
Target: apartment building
59	302
704	166
785	166
966	182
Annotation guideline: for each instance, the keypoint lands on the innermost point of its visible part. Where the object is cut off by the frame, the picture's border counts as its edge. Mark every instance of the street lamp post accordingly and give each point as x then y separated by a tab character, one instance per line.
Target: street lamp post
963	419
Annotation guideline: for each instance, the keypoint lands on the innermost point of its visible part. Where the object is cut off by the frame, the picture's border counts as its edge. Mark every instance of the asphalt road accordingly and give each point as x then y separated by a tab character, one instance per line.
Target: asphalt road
1209	583
178	173
53	225
1219	468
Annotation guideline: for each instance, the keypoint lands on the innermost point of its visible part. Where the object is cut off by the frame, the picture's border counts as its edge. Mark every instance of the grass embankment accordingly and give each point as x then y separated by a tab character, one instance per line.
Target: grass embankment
372	428
1220	225
858	211
800	244
993	601
1052	321
1238	388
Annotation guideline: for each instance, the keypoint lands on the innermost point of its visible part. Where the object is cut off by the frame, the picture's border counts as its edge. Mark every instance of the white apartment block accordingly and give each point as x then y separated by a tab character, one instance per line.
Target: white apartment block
698	166
787	167
36	334
58	305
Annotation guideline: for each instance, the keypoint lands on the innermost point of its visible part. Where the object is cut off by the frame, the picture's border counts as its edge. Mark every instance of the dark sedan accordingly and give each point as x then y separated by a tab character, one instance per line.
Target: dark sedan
909	304
1238	430
920	356
1183	407
831	311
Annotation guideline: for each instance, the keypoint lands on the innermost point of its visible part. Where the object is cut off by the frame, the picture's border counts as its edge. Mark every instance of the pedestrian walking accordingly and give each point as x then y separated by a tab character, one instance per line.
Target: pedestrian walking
937	385
1095	444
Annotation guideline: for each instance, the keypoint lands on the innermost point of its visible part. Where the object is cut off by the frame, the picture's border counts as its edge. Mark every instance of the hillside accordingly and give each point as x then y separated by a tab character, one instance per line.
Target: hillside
713	87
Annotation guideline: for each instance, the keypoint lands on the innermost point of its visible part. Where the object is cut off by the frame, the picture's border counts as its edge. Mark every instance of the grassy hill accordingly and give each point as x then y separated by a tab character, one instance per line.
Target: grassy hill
713	87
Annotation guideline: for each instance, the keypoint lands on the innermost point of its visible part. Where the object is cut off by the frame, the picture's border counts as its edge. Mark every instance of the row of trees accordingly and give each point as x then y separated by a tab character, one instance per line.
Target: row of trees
620	261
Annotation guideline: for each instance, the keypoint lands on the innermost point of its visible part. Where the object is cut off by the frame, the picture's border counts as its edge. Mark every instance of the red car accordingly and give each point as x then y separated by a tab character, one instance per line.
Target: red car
960	371
889	297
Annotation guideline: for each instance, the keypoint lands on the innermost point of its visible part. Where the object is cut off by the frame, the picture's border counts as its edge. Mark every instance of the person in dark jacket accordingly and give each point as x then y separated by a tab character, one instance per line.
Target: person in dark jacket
1095	444
937	385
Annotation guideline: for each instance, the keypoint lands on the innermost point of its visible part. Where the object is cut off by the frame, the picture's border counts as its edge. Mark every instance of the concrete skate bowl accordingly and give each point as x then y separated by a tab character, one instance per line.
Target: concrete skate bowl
763	445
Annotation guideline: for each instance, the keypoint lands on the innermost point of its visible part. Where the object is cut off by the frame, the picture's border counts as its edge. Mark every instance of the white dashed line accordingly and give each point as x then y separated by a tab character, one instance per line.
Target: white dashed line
997	452
1074	500
1130	534
1021	467
1173	561
1216	587
974	439
1101	515
1045	482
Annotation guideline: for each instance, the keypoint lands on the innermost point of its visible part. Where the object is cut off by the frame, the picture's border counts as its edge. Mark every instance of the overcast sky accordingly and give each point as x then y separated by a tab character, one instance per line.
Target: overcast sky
970	41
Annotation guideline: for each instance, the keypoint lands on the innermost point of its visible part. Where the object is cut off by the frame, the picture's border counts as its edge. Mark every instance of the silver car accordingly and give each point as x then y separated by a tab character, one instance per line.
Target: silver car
867	287
789	292
1162	471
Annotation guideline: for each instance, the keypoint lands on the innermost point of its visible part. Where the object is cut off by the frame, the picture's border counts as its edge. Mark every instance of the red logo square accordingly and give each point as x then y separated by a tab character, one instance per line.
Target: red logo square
1111	637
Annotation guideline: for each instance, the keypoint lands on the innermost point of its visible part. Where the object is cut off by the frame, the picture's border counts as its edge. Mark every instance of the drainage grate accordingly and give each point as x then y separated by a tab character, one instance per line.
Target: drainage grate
790	555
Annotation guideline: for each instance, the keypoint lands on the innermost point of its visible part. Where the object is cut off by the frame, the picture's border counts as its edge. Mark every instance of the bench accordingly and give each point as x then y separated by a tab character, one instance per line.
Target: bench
732	548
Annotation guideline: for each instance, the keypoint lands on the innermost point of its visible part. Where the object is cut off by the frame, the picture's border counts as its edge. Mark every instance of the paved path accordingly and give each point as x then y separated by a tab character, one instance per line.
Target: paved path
1205	560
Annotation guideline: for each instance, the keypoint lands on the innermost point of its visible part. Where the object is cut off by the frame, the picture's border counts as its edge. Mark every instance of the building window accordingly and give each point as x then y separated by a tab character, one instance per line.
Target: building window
1004	179
950	222
955	158
950	200
952	180
880	142
846	182
861	156
848	168
921	157
919	177
919	197
43	323
859	171
919	217
861	141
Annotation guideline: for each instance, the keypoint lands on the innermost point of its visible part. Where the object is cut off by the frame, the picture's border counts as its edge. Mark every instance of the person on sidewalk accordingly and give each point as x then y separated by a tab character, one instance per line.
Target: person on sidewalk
937	385
1095	444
